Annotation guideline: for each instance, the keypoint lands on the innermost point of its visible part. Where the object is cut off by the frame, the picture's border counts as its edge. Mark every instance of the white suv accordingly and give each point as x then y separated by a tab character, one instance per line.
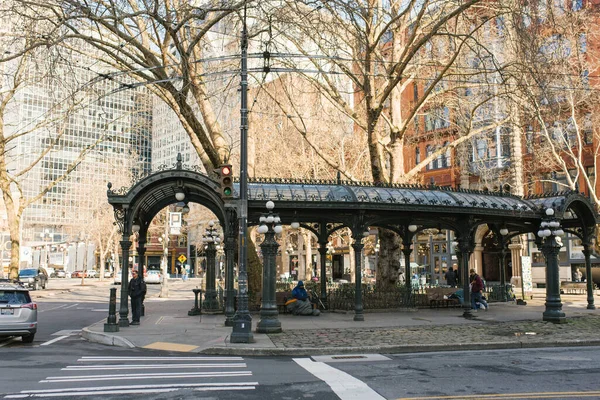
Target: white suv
18	314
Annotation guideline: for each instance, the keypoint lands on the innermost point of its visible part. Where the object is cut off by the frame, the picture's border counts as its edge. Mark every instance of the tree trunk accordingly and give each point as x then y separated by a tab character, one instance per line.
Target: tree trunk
389	259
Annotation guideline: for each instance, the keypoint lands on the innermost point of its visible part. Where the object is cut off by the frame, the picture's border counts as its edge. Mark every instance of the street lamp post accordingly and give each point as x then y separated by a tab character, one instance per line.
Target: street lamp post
269	322
211	239
242	323
550	232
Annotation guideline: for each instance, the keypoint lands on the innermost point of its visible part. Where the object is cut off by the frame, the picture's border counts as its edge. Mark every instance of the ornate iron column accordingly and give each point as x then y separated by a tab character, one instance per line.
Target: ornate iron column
141	250
124	307
588	273
211	238
269	322
230	261
550	232
503	252
357	235
465	247
323	277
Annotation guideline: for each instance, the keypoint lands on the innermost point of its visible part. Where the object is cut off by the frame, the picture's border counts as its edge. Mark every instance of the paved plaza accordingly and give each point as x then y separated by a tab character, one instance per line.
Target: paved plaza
167	326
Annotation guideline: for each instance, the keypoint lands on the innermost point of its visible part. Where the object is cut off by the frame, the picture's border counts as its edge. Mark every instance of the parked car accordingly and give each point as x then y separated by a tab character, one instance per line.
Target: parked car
18	314
34	278
51	272
118	278
78	274
153	276
108	274
61	273
91	273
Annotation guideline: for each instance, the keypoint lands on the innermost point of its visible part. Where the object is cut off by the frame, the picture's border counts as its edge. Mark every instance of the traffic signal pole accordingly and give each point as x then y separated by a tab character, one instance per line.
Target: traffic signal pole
242	323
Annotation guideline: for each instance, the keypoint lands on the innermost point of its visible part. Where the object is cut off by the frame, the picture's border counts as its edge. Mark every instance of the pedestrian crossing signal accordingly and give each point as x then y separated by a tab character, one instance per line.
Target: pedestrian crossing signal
226	180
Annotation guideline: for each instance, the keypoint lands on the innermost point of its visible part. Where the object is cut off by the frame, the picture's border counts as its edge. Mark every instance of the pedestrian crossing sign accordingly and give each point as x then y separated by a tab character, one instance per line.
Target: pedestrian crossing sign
182	258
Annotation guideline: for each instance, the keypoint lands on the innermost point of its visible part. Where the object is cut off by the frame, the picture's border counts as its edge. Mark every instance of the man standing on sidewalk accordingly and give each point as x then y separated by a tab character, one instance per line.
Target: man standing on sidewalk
136	292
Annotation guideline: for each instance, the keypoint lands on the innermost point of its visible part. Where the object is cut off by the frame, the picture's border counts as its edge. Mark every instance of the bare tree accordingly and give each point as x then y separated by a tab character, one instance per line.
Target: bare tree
557	98
31	60
164	45
391	68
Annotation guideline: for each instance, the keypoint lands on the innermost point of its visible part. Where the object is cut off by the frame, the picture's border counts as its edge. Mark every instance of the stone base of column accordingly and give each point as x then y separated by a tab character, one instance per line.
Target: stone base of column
242	330
111	328
269	325
468	313
556	316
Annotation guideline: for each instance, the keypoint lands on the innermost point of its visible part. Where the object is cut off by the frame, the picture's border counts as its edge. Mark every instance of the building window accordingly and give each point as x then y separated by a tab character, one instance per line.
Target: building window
417	156
429	152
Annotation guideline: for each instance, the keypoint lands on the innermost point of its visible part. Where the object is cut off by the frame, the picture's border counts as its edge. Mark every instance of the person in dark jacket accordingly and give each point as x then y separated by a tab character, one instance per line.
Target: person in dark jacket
301	305
450	277
299	293
476	291
137	290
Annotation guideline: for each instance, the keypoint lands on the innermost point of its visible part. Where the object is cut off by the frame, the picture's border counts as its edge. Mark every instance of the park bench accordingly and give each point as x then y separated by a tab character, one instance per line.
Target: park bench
280	299
573	287
439	297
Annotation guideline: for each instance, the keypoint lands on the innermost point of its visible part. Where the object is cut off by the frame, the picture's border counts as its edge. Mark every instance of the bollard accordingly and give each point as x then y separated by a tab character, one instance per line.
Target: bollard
197	310
111	322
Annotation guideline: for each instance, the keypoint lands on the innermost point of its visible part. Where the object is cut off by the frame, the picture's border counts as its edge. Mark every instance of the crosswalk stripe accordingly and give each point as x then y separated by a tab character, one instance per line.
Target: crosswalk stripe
55	391
84	393
154	366
134	358
145	376
165	386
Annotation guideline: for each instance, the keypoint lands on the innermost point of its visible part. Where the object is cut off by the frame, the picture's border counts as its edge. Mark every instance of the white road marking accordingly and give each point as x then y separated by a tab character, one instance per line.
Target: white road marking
66	332
206	358
344	385
165	386
71	306
82	378
8	341
54	340
82	393
52	309
151	366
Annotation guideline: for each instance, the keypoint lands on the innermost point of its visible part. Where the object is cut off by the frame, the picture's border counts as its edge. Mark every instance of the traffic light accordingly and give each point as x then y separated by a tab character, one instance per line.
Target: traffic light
226	180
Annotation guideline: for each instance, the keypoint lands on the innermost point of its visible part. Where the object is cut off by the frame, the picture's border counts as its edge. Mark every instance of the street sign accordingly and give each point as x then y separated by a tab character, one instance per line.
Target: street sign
182	258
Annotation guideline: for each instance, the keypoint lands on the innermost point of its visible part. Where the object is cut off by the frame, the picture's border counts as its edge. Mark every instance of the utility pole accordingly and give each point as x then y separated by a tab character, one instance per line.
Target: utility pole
242	322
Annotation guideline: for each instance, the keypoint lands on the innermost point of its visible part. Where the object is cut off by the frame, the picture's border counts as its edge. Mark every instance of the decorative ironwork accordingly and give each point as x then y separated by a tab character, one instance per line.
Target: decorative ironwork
136	178
119	214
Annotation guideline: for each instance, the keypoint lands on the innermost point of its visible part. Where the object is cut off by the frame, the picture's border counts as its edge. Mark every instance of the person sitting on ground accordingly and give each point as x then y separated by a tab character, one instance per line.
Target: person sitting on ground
476	291
300	304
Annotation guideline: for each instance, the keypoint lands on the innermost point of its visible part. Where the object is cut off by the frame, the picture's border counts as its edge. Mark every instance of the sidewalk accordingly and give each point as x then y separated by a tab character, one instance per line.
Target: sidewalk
504	326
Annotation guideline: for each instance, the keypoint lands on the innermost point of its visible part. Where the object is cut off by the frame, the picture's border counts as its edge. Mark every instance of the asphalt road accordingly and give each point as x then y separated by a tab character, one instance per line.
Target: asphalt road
60	364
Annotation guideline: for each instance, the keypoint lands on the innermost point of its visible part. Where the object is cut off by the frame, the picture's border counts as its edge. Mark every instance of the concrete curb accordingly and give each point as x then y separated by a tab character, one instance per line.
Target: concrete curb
395	349
109	340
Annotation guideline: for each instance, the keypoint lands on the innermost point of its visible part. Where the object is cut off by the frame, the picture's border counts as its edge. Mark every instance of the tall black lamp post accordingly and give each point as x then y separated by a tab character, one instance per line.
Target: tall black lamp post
211	238
269	322
550	233
242	321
